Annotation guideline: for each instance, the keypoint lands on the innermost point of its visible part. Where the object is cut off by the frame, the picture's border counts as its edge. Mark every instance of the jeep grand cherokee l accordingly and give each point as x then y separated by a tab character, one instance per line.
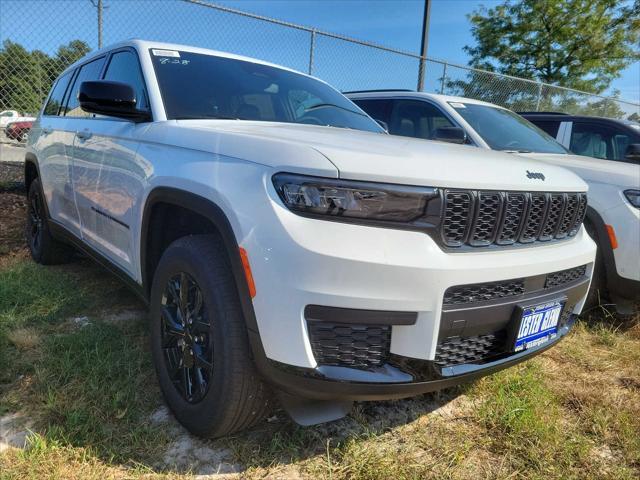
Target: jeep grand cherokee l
286	244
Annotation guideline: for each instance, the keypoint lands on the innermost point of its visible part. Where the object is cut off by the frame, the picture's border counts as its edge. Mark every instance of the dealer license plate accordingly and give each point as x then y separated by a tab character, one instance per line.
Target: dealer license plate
539	324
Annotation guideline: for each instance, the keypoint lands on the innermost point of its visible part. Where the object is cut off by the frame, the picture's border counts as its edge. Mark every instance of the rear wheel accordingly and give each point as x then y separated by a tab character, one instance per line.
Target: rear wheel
199	341
43	247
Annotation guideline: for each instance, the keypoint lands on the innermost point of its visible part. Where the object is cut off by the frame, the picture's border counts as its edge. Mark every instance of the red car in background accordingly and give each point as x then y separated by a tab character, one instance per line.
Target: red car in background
18	130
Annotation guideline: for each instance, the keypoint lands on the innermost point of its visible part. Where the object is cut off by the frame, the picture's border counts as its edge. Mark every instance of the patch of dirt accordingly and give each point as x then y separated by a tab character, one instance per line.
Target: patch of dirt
11	177
13	209
190	454
14	430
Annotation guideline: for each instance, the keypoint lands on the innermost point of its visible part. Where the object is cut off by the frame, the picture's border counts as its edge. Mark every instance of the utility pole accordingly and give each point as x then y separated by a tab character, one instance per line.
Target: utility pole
99	7
424	44
99	24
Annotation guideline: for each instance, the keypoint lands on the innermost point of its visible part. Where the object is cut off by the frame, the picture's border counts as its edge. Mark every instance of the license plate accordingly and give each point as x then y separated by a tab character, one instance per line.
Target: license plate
539	324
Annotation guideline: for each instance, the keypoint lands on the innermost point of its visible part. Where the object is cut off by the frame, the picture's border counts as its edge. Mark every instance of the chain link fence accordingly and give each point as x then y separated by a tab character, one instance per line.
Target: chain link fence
40	38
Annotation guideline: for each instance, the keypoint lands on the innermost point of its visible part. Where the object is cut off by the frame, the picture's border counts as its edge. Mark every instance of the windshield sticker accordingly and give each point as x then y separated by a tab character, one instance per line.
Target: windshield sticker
176	61
165	53
457	105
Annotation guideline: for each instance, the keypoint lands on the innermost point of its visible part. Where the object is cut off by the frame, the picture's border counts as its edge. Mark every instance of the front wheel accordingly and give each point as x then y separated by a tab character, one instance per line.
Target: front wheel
199	341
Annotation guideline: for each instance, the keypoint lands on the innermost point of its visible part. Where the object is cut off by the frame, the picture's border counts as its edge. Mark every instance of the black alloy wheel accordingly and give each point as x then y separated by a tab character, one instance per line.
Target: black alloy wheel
34	221
186	338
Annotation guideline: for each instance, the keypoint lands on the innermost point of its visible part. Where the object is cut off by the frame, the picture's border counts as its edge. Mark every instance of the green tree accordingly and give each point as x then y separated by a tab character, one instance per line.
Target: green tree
26	77
581	44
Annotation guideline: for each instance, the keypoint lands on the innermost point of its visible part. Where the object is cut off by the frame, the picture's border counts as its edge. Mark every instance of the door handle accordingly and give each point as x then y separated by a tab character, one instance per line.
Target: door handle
46	130
83	134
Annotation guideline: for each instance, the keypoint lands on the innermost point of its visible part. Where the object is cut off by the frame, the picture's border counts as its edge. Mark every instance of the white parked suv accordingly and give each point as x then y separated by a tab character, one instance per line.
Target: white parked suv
285	243
613	215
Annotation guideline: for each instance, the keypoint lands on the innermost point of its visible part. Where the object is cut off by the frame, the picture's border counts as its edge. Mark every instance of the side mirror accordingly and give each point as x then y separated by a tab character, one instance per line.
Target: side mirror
114	99
633	152
451	135
382	124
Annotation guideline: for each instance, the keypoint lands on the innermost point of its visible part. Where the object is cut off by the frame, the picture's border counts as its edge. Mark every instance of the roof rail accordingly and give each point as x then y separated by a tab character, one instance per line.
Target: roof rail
381	90
541	112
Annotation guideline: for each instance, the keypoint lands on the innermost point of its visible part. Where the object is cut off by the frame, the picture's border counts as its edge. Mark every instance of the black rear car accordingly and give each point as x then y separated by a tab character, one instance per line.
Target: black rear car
597	137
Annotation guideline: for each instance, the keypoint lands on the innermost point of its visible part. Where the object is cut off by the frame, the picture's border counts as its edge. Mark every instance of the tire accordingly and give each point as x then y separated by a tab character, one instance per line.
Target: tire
598	293
233	397
44	249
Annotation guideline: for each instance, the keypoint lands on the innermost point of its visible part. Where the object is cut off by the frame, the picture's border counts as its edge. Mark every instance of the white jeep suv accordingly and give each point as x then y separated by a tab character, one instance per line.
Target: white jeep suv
613	215
285	243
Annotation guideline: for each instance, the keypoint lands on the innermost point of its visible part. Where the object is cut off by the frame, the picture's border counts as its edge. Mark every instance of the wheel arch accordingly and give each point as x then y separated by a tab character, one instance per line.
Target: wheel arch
199	207
602	239
31	169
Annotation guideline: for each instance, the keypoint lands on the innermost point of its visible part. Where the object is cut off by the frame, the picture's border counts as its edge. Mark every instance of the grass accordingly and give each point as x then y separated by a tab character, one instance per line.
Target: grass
88	390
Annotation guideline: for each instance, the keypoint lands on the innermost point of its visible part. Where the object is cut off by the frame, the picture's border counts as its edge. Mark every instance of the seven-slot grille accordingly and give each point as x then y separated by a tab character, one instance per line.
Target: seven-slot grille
481	218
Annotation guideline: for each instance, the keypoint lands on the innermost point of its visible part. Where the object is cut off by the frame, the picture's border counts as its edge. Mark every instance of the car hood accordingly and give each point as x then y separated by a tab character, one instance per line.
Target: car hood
594	170
385	158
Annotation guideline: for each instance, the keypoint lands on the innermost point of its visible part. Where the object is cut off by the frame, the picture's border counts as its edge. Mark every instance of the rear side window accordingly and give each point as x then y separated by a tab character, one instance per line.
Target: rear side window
414	118
549	126
594	140
124	67
377	109
89	71
57	95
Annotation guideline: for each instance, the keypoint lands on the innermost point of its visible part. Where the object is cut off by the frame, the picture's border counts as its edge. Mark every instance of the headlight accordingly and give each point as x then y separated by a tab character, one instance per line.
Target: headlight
367	202
633	196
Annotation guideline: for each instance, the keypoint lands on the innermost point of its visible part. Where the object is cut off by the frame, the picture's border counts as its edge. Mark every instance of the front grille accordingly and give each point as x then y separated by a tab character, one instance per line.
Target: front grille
482	218
565	276
456	350
349	345
480	292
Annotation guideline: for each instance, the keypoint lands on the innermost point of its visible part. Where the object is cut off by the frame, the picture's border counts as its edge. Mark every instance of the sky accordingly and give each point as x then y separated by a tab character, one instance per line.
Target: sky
395	23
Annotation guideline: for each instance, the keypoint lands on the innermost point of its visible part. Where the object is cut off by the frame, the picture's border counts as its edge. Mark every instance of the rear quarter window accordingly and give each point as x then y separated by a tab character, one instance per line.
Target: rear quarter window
56	98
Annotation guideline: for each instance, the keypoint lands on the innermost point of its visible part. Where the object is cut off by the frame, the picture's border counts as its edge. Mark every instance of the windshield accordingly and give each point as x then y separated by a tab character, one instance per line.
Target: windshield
199	86
505	130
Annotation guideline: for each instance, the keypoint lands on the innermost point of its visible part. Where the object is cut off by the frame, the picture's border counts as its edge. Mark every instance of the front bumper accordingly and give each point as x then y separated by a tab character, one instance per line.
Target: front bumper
400	376
299	261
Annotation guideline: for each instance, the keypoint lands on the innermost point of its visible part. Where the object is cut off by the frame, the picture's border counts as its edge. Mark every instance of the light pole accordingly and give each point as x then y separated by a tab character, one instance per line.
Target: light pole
424	44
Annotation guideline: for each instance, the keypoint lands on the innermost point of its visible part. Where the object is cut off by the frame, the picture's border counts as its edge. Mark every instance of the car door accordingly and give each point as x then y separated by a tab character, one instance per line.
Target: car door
53	141
108	179
71	119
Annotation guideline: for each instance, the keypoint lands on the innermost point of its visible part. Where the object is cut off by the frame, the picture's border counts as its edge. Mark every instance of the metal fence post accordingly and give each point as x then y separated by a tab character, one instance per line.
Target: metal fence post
539	97
444	76
312	48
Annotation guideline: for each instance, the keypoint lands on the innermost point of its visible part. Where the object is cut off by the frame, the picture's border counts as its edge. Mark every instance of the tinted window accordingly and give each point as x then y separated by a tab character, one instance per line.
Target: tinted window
504	130
377	109
549	126
599	141
57	95
89	71
415	118
195	85
124	67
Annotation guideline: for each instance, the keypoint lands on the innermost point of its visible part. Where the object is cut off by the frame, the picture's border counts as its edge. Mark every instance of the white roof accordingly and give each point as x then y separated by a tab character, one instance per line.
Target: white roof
144	45
410	94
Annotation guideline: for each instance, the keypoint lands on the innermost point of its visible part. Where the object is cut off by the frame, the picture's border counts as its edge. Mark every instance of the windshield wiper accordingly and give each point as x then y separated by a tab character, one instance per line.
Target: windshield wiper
324	105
